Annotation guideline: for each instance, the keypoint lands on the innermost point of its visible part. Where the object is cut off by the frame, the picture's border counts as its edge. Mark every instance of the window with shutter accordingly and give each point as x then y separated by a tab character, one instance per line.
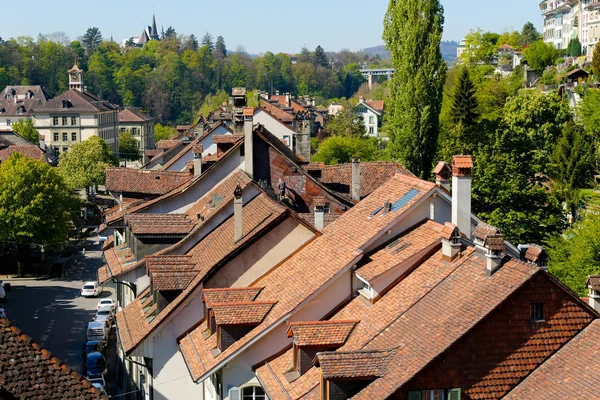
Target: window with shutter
235	393
454	394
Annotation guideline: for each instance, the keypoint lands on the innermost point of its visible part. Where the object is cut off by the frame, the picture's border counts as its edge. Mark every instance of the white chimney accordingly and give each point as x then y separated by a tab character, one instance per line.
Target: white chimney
451	244
197	150
319	217
248	141
489	243
238	220
593	284
461	193
443	175
288	102
356	178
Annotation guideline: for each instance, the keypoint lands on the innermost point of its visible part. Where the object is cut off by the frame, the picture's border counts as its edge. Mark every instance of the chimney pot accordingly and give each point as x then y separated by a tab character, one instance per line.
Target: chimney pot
248	141
461	193
451	245
197	150
238	221
593	284
443	175
356	178
489	242
319	217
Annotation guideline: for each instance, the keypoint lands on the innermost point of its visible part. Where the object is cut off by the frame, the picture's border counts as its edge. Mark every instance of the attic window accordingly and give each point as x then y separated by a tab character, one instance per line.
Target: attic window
67	104
2	110
157	177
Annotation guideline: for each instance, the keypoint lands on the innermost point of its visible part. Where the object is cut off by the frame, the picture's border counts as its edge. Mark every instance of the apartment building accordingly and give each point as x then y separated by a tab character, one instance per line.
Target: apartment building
16	103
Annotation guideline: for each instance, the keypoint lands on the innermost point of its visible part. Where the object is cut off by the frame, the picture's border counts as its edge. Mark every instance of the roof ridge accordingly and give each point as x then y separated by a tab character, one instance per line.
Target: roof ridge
327	322
213	290
245	303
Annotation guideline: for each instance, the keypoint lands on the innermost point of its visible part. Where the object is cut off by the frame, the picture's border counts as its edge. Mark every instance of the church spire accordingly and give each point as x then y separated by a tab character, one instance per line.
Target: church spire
154	30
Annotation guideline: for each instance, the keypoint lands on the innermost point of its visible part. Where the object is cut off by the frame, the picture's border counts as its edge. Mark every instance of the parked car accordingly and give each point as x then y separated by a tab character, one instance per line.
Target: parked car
95	365
106	303
2	312
91	289
92	346
2	291
97	330
104	314
99	383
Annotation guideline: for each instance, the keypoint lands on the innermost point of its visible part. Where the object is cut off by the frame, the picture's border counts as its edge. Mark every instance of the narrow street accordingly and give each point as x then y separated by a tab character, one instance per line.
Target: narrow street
52	311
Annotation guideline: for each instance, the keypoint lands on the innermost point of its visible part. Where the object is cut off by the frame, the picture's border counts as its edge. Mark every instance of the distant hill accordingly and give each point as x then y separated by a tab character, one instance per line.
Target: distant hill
447	47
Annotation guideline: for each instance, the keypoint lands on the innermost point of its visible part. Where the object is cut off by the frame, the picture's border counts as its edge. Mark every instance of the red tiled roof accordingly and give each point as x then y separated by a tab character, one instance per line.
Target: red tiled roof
594	282
331	333
448	230
372	175
377	105
248	112
218	139
154	152
440	167
28	151
155	182
167	144
462	162
534	252
172	280
28	371
229	295
355	364
490	236
132	115
241	313
571	373
163	224
277	112
79	102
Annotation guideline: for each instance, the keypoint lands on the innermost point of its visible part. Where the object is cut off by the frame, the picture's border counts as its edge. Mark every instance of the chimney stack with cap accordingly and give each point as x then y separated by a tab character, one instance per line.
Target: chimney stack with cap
248	141
461	193
197	149
537	255
489	243
443	175
593	284
319	213
238	220
451	244
356	178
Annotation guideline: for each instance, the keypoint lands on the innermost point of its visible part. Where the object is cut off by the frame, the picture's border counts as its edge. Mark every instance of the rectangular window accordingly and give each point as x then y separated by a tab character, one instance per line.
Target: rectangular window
73	136
537	311
8	122
73	120
371	119
371	130
65	149
56	137
64	121
134	131
55	121
326	208
65	137
435	394
286	140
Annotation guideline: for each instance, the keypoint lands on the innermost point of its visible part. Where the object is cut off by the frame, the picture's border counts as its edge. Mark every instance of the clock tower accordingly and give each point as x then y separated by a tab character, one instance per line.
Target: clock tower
76	78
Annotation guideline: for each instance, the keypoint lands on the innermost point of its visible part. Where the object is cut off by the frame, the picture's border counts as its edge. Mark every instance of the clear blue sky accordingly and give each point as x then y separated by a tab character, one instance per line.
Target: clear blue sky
258	25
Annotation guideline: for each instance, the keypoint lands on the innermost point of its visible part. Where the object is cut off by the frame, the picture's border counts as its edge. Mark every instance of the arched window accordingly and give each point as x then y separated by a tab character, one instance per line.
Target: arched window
253	393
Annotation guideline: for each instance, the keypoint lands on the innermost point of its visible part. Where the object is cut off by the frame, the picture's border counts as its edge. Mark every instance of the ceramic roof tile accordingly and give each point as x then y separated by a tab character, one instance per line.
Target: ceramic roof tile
462	161
167	144
133	115
331	333
172	280
241	313
356	364
154	182
229	295
535	252
594	282
219	139
77	102
28	151
27	371
571	373
163	224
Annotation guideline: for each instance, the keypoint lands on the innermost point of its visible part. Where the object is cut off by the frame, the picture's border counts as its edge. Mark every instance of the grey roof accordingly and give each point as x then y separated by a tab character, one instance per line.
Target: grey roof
20	100
77	102
9	138
133	115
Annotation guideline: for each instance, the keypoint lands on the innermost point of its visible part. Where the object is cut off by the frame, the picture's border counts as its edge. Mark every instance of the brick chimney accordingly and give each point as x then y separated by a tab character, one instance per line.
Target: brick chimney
593	284
451	244
489	243
356	178
536	254
248	141
461	193
238	220
443	175
197	150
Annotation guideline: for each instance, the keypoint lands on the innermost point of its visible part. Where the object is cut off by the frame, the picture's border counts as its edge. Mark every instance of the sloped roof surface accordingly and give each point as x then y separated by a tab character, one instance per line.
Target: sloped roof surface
79	102
133	115
153	182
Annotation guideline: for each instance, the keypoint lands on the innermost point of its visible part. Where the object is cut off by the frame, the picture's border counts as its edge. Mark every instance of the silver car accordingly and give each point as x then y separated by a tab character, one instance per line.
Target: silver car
104	314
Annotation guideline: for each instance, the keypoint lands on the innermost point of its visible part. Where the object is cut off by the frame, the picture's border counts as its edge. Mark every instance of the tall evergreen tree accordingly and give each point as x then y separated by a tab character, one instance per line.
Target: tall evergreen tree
207	40
220	47
91	39
574	48
529	34
320	58
464	103
412	32
596	60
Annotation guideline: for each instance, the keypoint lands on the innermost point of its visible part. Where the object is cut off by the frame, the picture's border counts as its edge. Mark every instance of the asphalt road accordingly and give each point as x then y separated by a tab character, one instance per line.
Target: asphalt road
52	311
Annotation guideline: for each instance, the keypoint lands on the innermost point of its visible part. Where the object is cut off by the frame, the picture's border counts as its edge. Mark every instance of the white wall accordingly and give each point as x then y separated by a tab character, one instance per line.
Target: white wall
274	126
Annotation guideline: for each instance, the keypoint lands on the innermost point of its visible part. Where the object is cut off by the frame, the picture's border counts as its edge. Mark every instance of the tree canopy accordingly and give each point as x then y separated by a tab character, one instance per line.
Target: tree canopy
412	33
540	55
84	165
24	127
341	149
596	60
163	132
346	123
91	39
128	147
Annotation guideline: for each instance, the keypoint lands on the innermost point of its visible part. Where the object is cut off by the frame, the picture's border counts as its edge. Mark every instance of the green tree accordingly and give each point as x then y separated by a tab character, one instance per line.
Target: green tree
596	60
540	55
35	205
412	32
191	43
464	102
346	123
574	48
571	165
128	147
480	46
529	34
575	254
207	40
341	149
163	132
170	33
220	47
25	128
91	39
84	165
320	58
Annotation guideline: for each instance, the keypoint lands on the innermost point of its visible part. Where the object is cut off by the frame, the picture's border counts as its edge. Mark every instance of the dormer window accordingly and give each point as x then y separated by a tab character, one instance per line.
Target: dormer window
67	104
235	320
2	110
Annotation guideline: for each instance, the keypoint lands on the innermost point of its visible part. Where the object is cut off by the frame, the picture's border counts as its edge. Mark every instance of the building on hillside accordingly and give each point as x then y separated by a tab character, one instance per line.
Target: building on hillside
140	125
590	26
460	49
148	33
76	115
16	103
334	108
371	112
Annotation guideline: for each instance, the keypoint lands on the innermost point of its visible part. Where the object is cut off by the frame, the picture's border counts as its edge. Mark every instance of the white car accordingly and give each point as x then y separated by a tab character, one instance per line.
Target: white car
106	303
91	289
104	314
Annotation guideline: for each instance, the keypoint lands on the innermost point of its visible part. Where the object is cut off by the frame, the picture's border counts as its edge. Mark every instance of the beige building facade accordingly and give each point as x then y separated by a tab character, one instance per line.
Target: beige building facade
140	125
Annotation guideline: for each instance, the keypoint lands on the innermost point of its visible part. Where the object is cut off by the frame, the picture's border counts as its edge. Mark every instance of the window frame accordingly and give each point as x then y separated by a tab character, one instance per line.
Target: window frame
253	394
537	312
55	136
73	121
65	137
8	122
73	136
54	121
64	121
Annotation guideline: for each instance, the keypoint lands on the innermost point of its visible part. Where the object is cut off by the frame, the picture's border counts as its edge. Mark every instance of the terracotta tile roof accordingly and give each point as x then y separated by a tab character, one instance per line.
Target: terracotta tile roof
248	112
401	250
490	236
167	144
155	182
462	162
109	243
172	280
449	230
333	333
241	313
159	224
28	151
571	373
372	175
78	102
229	295
193	146
315	166
327	218
441	167
259	214
377	105
277	112
218	139
27	371
118	211
534	253
290	284
355	364
133	115
468	297
154	152
594	282
103	274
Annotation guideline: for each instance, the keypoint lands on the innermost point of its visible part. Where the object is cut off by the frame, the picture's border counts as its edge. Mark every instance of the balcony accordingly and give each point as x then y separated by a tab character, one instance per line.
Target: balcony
593	5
